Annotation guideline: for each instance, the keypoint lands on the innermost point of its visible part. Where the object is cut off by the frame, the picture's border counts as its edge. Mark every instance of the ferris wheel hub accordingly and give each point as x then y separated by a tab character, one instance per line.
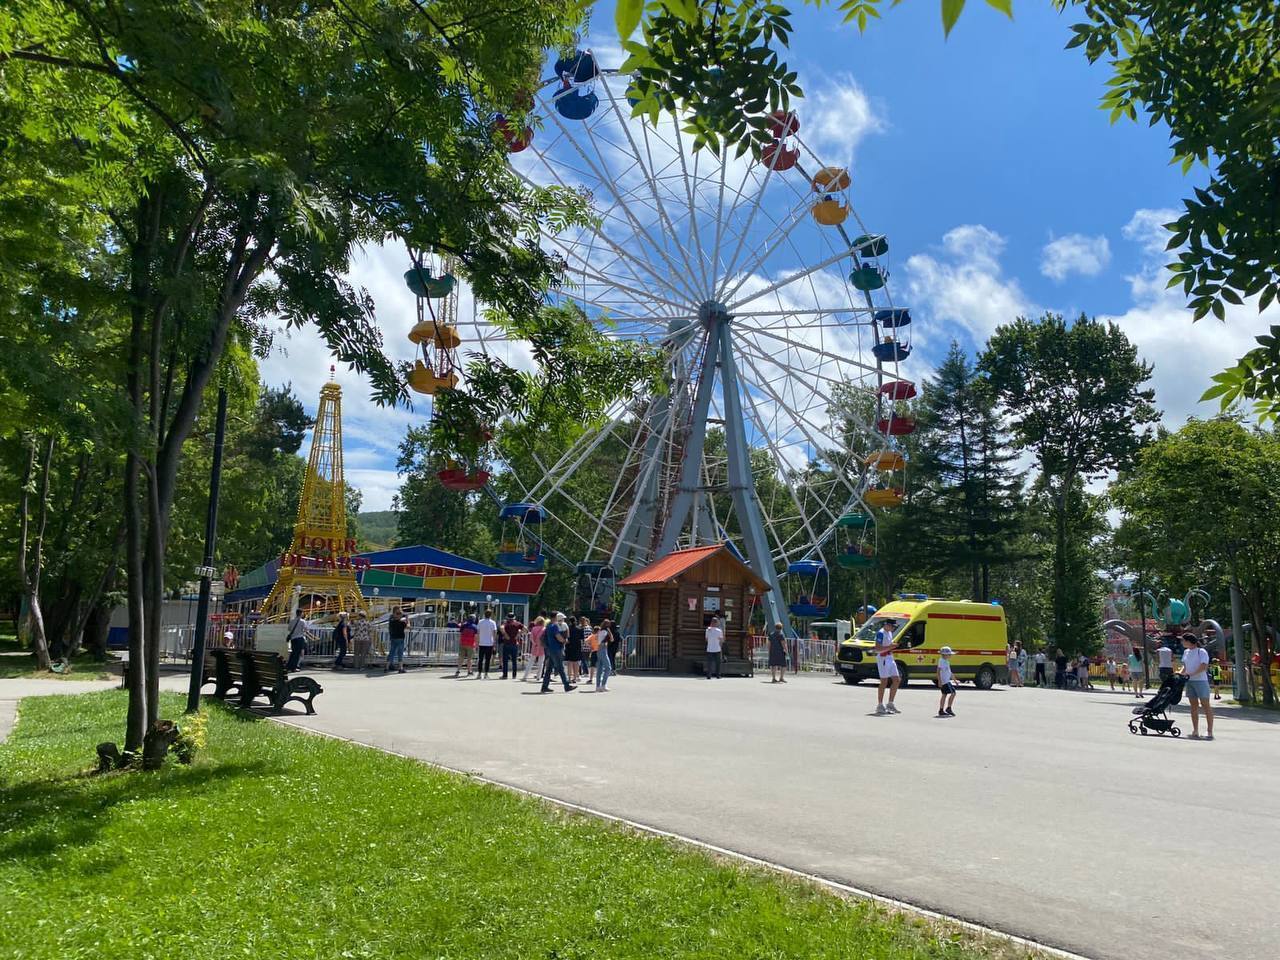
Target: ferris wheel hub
712	312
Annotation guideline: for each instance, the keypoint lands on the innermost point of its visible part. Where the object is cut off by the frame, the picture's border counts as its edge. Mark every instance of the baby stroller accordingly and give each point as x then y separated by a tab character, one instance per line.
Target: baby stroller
1152	714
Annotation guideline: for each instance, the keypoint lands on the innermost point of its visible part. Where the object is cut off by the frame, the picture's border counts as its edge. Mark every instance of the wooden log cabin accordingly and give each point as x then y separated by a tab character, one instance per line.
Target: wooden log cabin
677	595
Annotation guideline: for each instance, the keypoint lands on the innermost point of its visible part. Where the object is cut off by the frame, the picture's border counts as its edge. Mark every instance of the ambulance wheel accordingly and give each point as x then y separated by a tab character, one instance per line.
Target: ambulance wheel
902	673
851	679
985	678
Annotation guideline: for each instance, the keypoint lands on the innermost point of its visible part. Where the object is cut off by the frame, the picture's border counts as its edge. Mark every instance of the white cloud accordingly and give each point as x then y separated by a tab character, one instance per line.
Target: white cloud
836	116
1185	355
963	287
1075	253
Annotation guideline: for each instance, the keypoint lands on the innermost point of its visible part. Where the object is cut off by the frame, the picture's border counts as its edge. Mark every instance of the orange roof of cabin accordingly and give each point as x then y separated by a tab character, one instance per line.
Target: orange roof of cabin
670	566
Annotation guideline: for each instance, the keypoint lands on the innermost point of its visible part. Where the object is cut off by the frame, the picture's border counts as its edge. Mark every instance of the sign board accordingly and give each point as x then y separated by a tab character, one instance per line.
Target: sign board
273	637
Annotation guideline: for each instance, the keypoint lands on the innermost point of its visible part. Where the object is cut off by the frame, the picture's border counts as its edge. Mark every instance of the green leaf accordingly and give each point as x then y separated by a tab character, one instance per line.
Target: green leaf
951	10
626	15
1004	6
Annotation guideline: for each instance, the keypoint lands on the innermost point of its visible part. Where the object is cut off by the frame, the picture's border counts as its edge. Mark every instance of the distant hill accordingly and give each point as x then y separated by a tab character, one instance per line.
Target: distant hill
376	529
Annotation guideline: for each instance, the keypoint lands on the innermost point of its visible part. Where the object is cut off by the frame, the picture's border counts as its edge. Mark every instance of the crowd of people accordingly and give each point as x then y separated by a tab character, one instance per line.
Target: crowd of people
571	649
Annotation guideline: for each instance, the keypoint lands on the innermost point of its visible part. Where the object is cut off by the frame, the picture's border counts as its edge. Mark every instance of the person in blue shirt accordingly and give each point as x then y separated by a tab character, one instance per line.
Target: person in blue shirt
553	640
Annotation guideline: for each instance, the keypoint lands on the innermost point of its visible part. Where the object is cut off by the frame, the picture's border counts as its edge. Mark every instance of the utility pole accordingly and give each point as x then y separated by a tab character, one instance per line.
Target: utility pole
1240	675
206	571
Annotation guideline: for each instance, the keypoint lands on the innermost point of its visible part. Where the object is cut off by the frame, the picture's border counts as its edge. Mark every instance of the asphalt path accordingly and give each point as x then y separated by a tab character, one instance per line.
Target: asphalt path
1034	812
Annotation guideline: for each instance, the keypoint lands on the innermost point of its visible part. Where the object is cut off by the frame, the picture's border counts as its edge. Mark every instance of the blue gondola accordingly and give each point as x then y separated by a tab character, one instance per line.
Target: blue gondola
808	589
521	550
577	104
895	317
593	590
891	351
580	68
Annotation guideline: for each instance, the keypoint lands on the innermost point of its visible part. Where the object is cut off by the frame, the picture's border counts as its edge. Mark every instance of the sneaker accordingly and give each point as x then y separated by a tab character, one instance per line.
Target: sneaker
942	713
950	713
892	709
1208	736
401	670
1194	736
880	710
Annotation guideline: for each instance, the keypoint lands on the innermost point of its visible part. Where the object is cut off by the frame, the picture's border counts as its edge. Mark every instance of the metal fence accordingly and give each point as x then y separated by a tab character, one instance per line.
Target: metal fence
804	654
645	653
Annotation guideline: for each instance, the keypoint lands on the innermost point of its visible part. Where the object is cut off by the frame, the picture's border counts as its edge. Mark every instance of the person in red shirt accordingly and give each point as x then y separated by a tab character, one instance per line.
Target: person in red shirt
467	634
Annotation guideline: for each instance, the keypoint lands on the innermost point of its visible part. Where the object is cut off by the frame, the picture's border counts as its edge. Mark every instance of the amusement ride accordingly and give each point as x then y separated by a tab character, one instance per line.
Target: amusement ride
779	429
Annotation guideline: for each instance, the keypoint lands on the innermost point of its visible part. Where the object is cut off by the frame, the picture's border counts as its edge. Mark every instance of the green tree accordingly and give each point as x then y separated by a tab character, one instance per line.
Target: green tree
1074	395
970	495
1208	498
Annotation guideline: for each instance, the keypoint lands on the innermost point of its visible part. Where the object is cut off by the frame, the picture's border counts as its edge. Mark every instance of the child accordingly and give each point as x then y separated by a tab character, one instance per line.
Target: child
1215	678
1112	671
947	696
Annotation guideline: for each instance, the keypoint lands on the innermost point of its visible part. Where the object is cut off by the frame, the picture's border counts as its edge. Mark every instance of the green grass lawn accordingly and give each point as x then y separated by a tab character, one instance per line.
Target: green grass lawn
279	844
16	662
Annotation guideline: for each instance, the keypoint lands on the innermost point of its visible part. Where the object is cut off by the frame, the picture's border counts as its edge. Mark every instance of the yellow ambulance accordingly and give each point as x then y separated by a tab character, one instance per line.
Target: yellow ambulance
922	626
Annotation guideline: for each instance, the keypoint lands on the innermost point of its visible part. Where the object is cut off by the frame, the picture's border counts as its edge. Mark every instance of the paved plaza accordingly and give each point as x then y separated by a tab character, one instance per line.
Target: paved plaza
1035	812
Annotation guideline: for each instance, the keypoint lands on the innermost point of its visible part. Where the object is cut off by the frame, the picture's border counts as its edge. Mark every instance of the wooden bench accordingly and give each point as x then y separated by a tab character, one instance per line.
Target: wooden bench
254	673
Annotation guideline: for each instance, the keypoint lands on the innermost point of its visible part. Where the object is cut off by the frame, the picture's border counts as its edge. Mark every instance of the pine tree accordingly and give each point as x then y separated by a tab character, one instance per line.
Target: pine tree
969	494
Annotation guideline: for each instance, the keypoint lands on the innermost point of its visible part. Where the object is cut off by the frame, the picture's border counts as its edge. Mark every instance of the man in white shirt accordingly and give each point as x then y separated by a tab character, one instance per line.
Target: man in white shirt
887	669
1165	653
715	643
1041	679
486	640
298	628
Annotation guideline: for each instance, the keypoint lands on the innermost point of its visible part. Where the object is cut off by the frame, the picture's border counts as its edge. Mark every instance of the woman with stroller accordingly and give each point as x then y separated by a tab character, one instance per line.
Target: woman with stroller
1195	664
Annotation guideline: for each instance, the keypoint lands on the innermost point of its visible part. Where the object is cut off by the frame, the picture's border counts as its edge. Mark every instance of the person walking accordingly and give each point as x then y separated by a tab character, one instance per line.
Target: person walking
1135	672
602	663
297	635
584	662
536	656
572	647
1022	663
777	655
1082	672
1195	665
341	637
946	683
1041	679
511	631
715	644
1215	678
467	634
361	638
396	625
1165	654
1059	669
486	641
594	641
553	641
887	668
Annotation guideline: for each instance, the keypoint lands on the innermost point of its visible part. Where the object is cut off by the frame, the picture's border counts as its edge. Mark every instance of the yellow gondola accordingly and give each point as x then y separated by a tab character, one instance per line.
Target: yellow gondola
886	460
441	335
423	380
830	212
891	497
829	179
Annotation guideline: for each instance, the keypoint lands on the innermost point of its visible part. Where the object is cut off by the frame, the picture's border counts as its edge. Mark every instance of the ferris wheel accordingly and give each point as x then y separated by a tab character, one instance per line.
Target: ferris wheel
767	295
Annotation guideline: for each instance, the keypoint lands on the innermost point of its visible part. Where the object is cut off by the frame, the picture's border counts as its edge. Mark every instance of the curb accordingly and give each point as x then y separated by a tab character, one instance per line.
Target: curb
834	885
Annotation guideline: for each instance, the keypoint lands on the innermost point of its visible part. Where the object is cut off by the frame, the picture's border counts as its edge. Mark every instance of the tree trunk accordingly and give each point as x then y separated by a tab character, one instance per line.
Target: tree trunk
29	570
1060	565
97	626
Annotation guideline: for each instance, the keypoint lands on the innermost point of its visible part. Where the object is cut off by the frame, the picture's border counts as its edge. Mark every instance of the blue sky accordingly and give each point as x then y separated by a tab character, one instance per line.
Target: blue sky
985	160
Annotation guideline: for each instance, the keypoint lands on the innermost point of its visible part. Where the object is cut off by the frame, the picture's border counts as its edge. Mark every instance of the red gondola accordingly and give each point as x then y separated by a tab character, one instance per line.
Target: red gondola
455	478
898	390
897	426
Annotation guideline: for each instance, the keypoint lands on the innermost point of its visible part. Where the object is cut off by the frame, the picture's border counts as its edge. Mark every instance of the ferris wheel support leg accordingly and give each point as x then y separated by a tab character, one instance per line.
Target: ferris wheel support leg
691	461
742	489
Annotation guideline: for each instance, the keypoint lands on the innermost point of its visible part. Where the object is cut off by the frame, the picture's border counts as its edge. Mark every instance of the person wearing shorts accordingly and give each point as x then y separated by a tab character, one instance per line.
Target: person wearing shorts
946	683
1195	665
1165	653
1113	671
887	669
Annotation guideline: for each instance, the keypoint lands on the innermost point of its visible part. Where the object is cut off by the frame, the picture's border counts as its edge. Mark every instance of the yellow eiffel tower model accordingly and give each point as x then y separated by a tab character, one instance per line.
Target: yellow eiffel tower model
320	562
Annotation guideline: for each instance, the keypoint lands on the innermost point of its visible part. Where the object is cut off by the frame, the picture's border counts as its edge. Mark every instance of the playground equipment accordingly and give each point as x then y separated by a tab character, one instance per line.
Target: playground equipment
767	296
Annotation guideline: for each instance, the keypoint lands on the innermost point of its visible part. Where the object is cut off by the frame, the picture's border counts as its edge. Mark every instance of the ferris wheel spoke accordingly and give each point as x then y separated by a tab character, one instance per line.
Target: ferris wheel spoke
605	178
600	233
693	218
787	281
841	359
821	449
